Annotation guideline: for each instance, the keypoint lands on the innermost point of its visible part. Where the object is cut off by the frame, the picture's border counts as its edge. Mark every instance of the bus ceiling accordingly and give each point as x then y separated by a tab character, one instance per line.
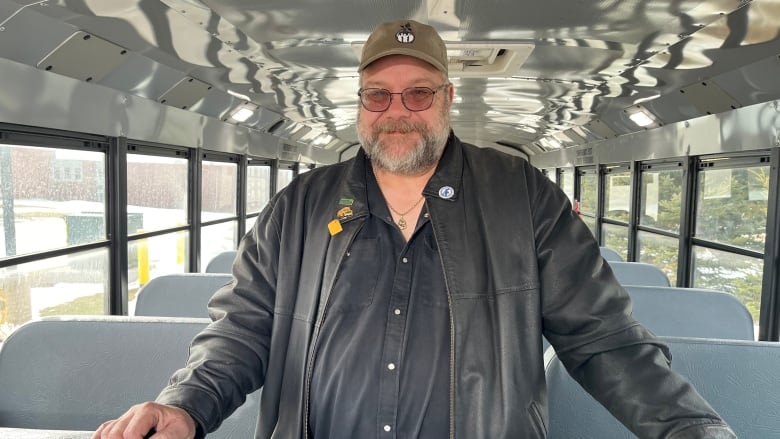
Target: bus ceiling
529	79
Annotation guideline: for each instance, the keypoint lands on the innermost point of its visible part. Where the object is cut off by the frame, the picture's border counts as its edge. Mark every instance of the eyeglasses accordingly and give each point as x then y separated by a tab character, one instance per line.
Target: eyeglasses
413	98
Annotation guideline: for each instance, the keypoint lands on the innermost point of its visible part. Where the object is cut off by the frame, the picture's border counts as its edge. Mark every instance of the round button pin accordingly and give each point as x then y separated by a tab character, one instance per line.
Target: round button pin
446	192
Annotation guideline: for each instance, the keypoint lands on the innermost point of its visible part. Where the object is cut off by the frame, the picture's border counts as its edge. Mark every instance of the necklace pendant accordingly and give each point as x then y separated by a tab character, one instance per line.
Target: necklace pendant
402	223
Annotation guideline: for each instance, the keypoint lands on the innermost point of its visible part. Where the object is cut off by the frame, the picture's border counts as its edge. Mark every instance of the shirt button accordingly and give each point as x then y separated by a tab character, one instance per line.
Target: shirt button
426	215
405	260
388	428
391	366
397	312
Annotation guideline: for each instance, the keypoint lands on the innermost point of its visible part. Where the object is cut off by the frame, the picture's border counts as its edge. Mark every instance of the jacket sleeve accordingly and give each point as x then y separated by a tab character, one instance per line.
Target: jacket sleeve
229	358
586	317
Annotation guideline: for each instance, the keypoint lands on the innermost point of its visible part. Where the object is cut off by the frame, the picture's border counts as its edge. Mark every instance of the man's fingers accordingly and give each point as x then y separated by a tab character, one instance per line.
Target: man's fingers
148	420
145	417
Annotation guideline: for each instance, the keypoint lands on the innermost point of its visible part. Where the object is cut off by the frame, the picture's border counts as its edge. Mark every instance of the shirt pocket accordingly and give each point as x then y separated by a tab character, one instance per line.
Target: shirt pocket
356	283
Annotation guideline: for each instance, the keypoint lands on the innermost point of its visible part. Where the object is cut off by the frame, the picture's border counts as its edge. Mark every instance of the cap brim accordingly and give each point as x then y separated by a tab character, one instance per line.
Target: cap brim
401	51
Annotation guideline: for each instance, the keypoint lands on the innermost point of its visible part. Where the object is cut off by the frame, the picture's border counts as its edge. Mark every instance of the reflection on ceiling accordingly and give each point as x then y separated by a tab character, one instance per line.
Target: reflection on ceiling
527	78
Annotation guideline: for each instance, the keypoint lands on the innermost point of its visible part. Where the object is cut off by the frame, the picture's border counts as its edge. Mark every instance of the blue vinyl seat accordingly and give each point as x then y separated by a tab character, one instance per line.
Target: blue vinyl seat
689	312
222	263
737	377
610	255
639	273
179	295
74	373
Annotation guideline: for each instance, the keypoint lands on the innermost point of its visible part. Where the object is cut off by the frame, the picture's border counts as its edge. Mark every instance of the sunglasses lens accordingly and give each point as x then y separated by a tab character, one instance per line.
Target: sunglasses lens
375	99
417	98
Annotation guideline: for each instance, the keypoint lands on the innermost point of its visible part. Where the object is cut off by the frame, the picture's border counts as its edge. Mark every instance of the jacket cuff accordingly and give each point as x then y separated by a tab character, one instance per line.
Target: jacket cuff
705	431
198	404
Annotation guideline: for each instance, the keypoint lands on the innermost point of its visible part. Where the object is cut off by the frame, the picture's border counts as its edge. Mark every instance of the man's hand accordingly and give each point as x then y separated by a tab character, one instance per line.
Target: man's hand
166	422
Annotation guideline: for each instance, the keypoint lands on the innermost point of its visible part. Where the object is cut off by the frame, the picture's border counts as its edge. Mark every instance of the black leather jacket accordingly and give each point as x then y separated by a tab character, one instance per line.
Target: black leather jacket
518	264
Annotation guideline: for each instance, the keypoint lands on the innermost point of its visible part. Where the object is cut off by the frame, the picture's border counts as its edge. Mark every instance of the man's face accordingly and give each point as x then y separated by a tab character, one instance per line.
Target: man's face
400	140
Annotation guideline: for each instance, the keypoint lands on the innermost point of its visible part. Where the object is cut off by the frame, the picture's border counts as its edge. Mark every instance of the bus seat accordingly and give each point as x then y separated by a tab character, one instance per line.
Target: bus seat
179	295
222	263
639	273
75	372
737	377
610	255
36	433
691	312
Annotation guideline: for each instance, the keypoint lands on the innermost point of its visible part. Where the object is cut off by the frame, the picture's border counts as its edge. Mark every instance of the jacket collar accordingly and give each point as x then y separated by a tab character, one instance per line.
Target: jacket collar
353	188
445	182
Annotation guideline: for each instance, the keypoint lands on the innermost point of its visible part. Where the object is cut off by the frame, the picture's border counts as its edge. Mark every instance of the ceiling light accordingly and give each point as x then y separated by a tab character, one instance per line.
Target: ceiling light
243	112
642	117
322	140
554	143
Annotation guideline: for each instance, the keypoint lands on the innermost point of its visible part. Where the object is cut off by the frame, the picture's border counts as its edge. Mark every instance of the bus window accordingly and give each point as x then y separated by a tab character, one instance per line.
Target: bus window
732	211
258	190
660	251
660	201
156	193
72	284
284	175
588	198
566	181
729	272
157	187
59	193
219	208
52	199
617	202
732	206
551	174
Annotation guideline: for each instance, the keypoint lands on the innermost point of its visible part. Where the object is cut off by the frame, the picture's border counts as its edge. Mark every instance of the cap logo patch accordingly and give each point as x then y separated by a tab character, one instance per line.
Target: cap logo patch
405	35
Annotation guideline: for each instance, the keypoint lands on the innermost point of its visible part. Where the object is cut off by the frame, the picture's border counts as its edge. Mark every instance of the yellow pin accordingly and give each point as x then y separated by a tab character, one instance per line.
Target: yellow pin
344	212
334	227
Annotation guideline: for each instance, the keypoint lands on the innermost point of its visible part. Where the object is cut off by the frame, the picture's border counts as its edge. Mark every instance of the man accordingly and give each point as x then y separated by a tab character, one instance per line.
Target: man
404	293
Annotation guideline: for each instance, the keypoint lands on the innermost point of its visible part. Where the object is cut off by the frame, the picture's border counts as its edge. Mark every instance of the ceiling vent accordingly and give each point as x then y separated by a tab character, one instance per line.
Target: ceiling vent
709	98
84	56
475	60
185	93
289	153
600	129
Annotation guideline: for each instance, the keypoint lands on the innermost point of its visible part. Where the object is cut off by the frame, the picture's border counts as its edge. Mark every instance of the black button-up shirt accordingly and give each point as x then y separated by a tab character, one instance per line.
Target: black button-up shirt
382	362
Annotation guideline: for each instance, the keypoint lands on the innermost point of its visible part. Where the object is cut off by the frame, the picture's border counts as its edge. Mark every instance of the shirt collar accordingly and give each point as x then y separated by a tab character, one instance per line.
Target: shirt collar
444	184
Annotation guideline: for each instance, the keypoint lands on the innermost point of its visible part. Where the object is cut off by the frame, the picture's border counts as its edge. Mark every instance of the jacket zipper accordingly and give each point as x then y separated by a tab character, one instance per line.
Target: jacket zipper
452	333
312	348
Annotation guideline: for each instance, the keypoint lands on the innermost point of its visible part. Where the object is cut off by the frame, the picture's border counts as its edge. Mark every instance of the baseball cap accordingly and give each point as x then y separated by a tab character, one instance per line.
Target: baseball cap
405	37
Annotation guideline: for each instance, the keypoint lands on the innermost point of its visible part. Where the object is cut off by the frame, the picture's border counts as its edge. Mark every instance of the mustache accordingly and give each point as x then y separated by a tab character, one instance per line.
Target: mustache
399	126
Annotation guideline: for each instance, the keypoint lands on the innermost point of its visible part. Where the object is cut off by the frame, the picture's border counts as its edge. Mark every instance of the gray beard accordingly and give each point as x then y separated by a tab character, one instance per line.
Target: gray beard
421	158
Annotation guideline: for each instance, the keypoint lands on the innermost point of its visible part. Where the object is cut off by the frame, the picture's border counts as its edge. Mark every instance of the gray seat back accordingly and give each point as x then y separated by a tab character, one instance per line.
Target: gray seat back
74	373
737	377
30	433
179	295
610	255
691	312
639	273
222	263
